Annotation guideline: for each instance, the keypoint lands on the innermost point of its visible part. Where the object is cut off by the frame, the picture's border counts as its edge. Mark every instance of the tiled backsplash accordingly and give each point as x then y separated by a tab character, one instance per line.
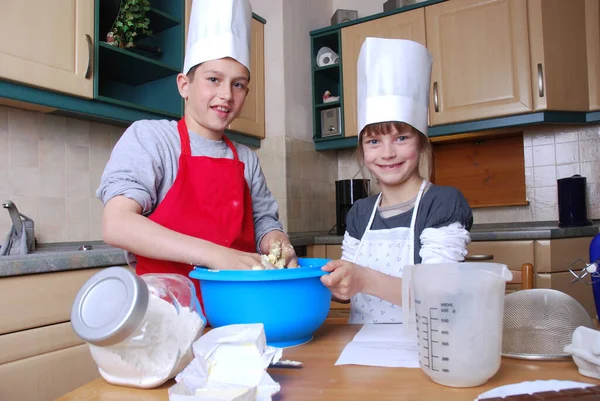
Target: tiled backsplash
551	152
311	179
50	166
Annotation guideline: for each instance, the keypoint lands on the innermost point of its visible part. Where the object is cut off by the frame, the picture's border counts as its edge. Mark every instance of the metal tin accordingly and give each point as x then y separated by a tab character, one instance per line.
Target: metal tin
110	306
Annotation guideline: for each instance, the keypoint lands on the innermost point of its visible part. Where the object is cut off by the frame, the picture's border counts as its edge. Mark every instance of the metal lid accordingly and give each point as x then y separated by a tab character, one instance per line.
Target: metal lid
110	306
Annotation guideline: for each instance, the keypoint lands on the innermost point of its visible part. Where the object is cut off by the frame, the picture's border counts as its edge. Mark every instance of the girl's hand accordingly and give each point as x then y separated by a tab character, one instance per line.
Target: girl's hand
345	279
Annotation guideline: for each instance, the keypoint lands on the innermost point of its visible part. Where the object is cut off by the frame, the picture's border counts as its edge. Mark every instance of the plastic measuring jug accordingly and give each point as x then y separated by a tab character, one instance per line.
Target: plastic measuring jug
458	309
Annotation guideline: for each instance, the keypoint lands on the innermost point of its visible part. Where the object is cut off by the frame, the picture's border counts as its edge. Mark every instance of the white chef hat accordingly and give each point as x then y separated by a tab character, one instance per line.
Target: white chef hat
393	82
218	29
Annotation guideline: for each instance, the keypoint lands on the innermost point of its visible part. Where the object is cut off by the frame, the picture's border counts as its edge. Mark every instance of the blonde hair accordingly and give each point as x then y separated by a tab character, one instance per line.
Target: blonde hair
391	127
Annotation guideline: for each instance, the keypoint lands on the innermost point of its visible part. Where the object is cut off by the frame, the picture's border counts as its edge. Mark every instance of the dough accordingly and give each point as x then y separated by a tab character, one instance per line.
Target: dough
274	260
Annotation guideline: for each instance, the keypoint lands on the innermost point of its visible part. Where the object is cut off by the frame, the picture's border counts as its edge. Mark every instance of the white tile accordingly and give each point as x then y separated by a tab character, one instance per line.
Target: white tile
77	133
567	153
590	133
546	214
49	234
23	152
568	135
591	171
529	177
525	213
52	183
23	124
508	215
543	155
594	211
96	211
100	136
52	128
527	140
78	232
593	193
545	198
51	155
544	176
52	211
589	151
567	170
528	155
24	181
78	211
77	184
77	157
543	138
485	215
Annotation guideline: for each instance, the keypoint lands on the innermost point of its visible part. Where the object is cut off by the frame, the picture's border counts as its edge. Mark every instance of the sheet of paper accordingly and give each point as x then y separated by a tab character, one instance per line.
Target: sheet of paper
382	345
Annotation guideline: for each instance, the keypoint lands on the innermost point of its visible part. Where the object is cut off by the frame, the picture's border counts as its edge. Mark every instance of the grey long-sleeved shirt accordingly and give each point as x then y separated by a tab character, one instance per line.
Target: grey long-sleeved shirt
144	163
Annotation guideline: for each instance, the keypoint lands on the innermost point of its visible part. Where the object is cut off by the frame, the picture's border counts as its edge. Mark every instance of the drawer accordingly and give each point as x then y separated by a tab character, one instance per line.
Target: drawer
41	340
558	254
39	299
49	376
511	253
562	282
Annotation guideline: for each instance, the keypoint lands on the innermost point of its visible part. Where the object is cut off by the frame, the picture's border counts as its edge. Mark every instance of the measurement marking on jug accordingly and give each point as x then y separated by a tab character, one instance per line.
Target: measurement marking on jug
426	340
431	340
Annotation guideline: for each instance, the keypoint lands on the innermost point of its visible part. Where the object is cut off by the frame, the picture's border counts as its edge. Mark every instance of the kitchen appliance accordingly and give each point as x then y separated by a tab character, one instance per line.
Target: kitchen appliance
331	122
572	209
341	16
346	193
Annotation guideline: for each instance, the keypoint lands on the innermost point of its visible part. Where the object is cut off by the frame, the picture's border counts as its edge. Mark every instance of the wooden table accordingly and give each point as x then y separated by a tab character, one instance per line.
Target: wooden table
320	379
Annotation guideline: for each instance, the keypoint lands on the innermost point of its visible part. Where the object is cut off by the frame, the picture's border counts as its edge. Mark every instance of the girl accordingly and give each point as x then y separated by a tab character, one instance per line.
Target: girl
411	220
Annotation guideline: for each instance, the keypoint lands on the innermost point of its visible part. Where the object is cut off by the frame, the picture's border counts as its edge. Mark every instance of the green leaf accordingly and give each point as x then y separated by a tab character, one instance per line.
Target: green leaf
119	24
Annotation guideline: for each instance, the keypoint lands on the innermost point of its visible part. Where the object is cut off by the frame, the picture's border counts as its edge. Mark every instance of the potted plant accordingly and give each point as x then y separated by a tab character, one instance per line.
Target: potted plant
131	24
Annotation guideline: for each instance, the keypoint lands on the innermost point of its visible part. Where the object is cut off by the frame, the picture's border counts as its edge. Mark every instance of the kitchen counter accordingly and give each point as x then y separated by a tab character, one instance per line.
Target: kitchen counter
68	256
320	379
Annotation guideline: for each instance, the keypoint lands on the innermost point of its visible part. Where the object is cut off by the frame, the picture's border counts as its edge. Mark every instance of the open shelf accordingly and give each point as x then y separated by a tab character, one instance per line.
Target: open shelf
130	68
327	67
161	21
327	105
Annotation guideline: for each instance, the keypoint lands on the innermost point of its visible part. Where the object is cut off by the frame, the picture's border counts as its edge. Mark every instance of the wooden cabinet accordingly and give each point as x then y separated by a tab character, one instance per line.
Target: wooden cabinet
481	64
37	343
251	120
592	33
504	57
408	25
48	44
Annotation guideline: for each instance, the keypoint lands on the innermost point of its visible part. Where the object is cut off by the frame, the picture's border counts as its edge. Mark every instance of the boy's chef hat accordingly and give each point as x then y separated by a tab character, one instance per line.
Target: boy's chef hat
393	82
218	29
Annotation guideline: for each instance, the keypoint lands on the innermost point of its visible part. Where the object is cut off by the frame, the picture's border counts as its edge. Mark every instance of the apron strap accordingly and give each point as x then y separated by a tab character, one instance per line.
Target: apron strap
413	220
232	147
184	138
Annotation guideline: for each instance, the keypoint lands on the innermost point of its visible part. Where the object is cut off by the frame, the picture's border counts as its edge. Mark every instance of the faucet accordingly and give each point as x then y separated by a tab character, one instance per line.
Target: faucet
21	222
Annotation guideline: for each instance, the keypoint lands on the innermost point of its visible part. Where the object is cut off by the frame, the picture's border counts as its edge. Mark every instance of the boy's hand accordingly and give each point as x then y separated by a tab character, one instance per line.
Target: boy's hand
287	250
344	280
231	259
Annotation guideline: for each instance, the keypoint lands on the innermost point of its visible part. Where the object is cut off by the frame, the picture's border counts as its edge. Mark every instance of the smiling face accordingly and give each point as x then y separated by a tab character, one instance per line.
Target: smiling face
391	152
214	94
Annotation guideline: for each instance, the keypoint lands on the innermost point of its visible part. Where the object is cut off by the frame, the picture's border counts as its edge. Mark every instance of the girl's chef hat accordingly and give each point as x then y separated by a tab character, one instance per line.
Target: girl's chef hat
393	82
218	29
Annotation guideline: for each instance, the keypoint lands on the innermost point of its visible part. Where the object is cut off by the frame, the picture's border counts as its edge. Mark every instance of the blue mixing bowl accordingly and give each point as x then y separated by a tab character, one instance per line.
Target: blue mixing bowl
290	303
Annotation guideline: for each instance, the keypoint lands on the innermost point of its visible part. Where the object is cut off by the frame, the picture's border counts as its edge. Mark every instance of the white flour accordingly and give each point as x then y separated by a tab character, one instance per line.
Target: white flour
149	357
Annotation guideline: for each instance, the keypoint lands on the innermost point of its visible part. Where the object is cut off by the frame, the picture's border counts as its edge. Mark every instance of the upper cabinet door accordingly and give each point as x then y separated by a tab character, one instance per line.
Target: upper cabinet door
251	120
48	44
481	65
592	26
408	25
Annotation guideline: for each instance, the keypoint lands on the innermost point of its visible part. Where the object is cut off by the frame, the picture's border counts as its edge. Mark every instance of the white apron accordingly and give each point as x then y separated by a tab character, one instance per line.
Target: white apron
386	251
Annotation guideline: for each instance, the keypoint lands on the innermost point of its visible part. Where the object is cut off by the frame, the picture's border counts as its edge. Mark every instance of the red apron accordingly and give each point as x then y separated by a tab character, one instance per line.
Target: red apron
209	199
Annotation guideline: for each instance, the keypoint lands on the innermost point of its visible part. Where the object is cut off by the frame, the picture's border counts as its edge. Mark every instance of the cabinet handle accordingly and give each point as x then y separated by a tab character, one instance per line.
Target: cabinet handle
540	80
435	98
88	71
479	257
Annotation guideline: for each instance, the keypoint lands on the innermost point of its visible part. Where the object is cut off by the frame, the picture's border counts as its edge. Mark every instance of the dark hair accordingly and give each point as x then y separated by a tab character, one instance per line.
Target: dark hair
391	127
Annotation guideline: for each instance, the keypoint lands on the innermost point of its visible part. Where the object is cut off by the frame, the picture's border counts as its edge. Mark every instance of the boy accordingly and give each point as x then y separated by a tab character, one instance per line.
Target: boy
180	194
